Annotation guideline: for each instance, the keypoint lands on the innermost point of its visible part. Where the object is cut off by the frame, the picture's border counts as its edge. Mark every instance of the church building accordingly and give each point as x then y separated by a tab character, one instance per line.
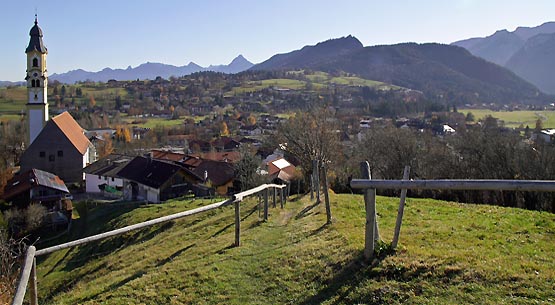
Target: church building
59	145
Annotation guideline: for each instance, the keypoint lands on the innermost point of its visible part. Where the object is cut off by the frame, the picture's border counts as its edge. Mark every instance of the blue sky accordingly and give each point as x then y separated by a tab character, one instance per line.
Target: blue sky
92	35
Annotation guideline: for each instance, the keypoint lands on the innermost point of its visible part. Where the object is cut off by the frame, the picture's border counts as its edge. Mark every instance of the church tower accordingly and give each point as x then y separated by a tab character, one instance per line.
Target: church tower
37	83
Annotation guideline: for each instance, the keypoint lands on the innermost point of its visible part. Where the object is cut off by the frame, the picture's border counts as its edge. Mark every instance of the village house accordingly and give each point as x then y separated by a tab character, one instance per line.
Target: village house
218	175
39	187
145	178
280	170
252	130
102	175
545	135
225	144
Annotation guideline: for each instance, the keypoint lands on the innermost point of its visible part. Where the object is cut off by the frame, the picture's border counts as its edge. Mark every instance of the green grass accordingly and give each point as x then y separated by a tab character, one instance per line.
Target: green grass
357	81
104	92
516	118
449	254
319	80
153	122
12	100
283	83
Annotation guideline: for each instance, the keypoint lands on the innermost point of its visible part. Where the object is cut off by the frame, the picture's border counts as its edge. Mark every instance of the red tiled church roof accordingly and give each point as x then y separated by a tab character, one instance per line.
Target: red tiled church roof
72	131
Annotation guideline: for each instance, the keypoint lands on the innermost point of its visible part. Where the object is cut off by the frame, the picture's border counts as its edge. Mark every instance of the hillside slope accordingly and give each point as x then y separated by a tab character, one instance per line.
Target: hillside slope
449	254
535	62
497	48
438	70
525	51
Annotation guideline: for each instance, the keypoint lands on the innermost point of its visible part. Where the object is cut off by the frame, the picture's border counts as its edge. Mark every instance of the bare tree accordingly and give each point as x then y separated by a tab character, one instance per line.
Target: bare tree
11	250
246	168
311	136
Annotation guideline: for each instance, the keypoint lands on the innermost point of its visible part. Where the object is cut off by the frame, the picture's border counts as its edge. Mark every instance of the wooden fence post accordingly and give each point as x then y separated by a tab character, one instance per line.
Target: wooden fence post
259	197
237	223
326	193
33	288
316	171
370	205
266	205
401	210
281	195
311	186
274	197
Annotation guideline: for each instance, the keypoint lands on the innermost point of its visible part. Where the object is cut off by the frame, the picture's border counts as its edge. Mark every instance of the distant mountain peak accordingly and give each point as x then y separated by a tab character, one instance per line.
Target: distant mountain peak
349	41
311	53
527	51
149	70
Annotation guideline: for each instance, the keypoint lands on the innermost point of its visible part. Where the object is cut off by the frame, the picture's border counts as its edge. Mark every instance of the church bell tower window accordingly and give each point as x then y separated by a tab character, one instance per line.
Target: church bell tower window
35	62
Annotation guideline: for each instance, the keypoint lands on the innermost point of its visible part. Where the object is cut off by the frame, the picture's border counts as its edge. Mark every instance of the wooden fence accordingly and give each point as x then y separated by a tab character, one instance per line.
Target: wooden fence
28	270
370	185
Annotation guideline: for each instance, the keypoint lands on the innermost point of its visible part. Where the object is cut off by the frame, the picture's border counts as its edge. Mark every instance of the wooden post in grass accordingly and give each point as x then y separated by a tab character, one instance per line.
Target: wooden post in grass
401	210
274	197
266	205
237	223
316	172
33	279
370	205
326	193
281	195
311	186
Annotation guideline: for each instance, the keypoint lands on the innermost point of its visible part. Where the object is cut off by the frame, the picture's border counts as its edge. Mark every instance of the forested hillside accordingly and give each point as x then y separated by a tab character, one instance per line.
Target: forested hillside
435	69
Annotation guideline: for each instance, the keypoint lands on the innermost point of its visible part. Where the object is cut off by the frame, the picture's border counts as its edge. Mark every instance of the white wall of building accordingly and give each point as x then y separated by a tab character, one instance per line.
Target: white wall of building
93	181
36	121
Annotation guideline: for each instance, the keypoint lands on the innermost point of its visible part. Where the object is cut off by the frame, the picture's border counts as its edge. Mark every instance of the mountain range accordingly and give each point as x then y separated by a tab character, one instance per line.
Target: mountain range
527	51
149	71
8	83
472	70
436	69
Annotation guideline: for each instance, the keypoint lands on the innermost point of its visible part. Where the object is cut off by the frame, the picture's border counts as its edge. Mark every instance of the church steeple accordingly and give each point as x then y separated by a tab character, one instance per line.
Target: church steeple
37	83
36	39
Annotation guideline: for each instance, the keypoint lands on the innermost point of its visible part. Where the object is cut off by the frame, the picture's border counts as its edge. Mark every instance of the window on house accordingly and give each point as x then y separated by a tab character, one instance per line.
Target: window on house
112	179
35	62
42	154
99	177
51	158
60	153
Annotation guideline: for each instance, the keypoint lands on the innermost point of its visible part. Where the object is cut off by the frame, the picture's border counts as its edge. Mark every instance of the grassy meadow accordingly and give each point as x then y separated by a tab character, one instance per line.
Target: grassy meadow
318	80
13	99
515	118
449	253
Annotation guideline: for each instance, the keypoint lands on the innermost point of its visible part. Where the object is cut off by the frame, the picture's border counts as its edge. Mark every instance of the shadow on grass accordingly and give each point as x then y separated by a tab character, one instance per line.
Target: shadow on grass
306	211
222	251
252	211
318	230
348	277
115	286
92	250
176	254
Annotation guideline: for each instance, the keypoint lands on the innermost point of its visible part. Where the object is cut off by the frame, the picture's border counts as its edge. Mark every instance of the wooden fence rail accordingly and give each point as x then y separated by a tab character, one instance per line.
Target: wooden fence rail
28	270
370	185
